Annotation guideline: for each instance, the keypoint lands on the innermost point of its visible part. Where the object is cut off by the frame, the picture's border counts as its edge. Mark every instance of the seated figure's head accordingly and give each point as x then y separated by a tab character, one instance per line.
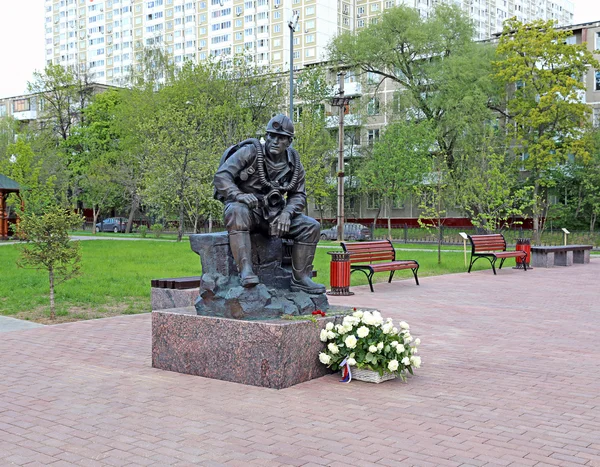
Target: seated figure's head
280	132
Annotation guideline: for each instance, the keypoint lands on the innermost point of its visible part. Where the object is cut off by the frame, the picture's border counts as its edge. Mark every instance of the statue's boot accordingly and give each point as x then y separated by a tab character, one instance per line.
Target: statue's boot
239	241
302	259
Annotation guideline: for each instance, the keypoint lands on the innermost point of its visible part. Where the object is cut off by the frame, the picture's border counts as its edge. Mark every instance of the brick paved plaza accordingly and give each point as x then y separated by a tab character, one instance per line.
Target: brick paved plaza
511	376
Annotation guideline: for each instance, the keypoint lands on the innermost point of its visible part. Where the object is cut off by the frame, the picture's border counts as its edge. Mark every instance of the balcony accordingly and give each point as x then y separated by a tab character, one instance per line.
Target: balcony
350	89
333	121
25	115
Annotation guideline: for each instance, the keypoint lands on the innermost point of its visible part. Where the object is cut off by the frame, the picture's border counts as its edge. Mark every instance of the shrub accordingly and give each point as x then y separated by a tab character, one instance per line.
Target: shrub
143	230
157	229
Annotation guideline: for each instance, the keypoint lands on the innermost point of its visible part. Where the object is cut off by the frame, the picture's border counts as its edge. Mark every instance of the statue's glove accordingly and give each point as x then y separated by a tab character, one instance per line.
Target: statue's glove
247	198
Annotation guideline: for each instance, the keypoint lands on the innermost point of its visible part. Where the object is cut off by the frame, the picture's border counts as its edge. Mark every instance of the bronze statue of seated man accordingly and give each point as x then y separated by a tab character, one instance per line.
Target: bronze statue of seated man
263	189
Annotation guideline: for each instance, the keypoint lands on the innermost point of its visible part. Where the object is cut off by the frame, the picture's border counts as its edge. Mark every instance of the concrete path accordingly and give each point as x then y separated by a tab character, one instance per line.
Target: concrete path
12	324
511	376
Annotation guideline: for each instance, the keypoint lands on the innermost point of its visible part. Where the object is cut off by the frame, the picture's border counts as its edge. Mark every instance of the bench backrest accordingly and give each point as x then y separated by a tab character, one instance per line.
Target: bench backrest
370	252
491	242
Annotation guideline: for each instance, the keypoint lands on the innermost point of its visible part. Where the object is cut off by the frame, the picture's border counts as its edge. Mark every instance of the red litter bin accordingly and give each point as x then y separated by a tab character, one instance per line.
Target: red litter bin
339	273
523	244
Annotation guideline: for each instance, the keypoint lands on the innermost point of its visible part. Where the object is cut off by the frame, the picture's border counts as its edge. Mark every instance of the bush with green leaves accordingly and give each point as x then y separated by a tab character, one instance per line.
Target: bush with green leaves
143	230
157	229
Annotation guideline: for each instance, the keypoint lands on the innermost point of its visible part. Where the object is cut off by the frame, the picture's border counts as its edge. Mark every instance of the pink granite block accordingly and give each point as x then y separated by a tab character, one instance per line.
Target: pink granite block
162	299
274	353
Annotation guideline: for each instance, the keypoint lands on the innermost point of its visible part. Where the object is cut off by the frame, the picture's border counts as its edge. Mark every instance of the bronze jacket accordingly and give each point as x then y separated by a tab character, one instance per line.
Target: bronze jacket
239	174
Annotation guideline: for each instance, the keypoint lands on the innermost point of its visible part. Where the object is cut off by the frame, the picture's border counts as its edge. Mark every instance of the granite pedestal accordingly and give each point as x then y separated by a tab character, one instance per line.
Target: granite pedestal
274	353
162	299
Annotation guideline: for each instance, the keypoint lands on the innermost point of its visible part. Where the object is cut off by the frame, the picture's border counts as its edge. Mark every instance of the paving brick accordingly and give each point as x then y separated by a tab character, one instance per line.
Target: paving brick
510	376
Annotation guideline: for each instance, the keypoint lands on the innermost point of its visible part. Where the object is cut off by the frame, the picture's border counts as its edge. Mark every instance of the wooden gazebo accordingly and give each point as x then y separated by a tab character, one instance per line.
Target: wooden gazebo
7	186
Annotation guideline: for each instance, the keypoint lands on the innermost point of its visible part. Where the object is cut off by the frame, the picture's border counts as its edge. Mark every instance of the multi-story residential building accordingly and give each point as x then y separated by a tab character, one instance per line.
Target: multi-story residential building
106	37
589	33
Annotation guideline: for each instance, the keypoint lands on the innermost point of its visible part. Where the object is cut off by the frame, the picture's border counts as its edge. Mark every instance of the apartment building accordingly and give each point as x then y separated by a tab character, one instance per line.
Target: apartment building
106	37
589	33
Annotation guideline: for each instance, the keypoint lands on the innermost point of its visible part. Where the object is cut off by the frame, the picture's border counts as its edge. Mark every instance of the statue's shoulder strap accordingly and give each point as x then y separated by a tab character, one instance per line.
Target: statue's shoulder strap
233	149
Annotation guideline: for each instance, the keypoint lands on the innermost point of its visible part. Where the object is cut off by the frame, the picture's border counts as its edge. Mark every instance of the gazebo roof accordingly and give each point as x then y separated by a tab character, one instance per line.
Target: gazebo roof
8	184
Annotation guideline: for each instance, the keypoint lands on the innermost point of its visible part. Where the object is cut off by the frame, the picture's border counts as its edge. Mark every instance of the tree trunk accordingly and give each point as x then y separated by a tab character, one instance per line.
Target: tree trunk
389	222
592	223
181	219
95	213
536	214
439	227
210	223
135	203
51	278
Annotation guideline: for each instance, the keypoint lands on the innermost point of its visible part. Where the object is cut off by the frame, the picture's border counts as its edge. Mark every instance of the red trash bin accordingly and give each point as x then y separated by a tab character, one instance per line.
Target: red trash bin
523	244
339	273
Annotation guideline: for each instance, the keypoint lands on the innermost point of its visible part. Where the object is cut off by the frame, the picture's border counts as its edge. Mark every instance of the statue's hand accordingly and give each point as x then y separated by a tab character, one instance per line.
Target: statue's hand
247	198
283	223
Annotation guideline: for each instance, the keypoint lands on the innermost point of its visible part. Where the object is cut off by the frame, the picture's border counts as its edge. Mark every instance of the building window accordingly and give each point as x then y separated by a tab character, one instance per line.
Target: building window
277	28
360	23
373	108
309	10
372	136
2	110
595	116
597	81
372	202
597	41
21	105
308	53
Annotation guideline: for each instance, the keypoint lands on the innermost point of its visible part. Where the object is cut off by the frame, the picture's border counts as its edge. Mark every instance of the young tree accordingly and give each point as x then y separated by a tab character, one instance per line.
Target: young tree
97	154
399	161
25	168
488	186
437	193
542	74
48	245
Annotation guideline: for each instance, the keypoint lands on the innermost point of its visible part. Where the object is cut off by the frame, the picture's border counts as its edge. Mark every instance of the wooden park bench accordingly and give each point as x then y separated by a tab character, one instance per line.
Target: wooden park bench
493	247
379	256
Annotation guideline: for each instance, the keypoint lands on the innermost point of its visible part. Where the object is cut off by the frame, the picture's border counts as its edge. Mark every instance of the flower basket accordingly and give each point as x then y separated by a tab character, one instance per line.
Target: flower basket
370	376
368	348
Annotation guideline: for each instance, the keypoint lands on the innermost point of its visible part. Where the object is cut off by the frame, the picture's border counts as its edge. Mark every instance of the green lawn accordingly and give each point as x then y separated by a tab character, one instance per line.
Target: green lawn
116	276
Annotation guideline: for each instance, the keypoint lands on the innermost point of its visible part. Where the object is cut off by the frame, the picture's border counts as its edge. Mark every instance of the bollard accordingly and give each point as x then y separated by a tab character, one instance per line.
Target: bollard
339	276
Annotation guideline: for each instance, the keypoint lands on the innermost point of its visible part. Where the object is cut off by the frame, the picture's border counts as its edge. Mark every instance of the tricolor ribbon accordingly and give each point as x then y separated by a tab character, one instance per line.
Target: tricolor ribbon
346	371
319	312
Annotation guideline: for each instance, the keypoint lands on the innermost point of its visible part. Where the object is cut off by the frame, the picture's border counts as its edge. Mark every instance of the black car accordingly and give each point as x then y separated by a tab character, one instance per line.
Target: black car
351	232
112	224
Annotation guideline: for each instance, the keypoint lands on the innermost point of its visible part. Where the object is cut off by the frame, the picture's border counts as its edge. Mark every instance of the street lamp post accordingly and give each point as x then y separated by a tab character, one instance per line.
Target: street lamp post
340	101
292	25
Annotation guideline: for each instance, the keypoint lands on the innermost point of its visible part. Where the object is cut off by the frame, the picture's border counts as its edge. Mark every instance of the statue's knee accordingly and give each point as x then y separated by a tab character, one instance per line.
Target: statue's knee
237	217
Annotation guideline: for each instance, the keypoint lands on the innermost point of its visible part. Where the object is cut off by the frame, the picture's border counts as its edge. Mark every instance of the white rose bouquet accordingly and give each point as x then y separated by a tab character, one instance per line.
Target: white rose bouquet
366	340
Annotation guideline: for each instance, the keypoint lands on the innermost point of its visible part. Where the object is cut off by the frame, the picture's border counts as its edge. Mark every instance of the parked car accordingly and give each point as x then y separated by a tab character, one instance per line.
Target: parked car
351	232
112	224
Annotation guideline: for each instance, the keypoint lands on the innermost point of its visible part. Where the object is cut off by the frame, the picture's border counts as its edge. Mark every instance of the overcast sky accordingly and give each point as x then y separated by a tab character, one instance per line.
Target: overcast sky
22	39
